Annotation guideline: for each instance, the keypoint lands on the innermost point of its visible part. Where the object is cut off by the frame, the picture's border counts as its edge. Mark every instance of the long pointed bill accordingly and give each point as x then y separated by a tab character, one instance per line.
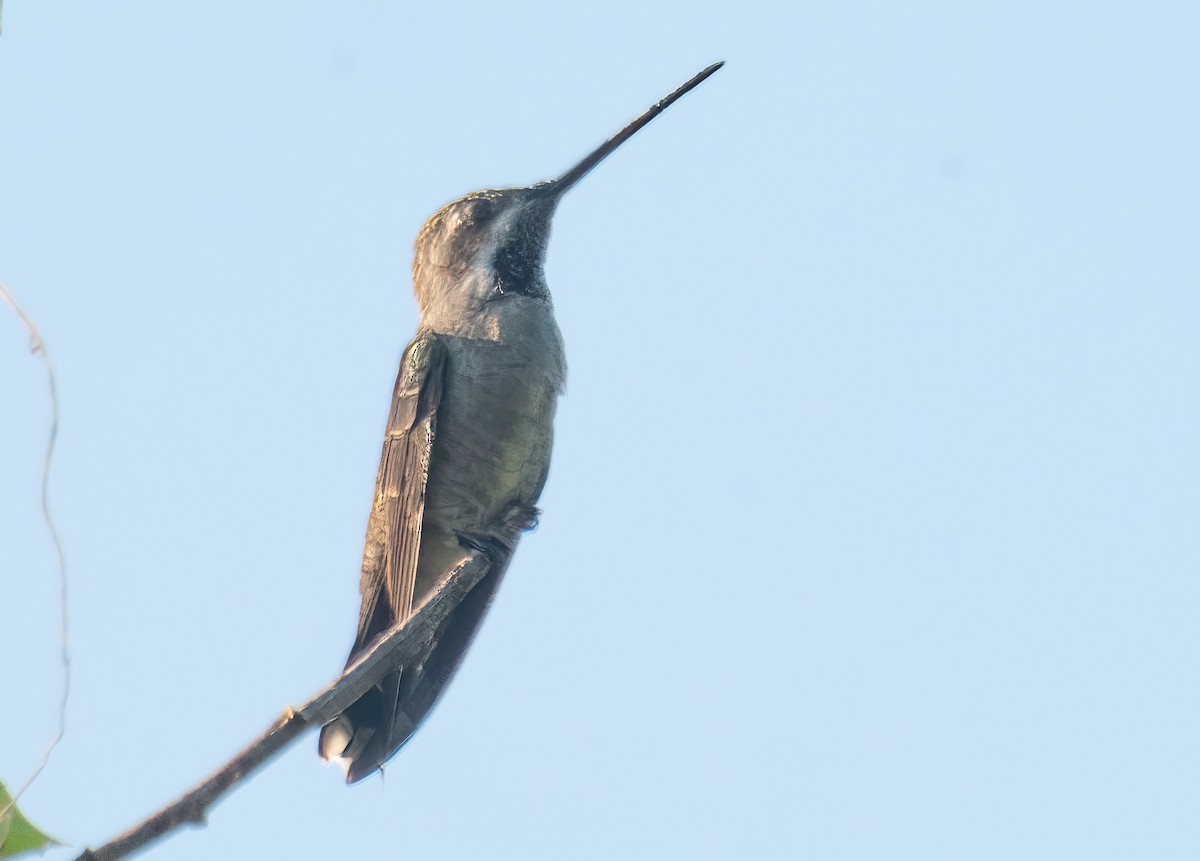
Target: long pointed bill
568	179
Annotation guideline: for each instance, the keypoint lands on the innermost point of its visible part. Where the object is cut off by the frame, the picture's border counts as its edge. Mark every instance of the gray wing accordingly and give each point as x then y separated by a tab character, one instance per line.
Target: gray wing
393	541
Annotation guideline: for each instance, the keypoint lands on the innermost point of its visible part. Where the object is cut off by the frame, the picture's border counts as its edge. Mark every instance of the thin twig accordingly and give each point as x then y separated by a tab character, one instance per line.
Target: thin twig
38	347
397	646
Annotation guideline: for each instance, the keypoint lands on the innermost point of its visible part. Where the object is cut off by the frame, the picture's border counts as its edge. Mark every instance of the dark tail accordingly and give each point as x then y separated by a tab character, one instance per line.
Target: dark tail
383	719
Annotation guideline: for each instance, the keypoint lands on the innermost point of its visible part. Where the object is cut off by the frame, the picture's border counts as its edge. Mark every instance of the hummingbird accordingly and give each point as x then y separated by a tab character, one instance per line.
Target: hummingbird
466	448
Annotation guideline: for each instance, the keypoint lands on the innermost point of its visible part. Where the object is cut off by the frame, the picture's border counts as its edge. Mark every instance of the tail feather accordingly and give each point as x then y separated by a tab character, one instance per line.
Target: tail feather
383	719
370	731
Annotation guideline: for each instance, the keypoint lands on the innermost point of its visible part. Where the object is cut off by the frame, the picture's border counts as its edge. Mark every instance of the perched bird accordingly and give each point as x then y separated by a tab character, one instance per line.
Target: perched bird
467	446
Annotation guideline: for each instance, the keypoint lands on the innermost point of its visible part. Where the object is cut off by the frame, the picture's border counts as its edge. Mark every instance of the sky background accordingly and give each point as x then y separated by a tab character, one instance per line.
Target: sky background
871	531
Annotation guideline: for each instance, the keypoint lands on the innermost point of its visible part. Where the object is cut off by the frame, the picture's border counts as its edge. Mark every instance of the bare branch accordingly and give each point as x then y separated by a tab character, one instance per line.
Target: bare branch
398	645
37	346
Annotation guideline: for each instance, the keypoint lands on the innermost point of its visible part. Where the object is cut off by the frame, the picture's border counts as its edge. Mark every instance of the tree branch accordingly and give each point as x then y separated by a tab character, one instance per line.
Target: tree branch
399	645
37	346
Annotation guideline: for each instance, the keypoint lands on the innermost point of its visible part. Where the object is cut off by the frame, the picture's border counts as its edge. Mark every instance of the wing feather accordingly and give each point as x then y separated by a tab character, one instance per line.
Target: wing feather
393	542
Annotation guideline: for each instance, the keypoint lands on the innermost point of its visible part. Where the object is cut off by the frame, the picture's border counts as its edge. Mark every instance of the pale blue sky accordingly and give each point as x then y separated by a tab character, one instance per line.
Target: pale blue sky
872	526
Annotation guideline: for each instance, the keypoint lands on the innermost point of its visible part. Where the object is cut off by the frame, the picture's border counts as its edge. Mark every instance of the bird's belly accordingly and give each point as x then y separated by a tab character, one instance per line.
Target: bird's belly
493	437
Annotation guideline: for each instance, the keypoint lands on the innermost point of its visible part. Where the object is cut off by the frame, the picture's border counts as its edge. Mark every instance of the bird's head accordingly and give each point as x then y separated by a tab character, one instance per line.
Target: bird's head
488	244
492	243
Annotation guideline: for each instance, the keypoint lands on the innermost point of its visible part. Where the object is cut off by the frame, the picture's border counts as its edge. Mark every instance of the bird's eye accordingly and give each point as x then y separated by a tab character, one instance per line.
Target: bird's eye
464	213
480	209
